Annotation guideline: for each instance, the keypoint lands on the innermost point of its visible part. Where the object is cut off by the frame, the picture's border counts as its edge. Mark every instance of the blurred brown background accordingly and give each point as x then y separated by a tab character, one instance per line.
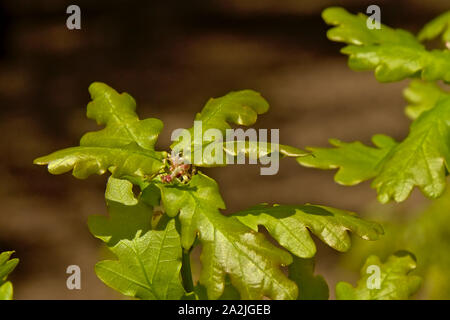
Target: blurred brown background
172	56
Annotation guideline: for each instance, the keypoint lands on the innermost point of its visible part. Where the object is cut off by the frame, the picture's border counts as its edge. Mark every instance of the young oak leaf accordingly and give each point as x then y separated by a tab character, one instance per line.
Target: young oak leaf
310	286
352	29
420	160
393	54
148	266
355	161
229	248
7	265
291	226
149	261
238	107
439	25
125	146
426	235
393	282
118	113
209	132
421	97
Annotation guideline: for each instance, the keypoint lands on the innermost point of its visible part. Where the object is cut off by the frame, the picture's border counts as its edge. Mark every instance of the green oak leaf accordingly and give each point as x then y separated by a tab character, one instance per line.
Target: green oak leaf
355	161
229	248
393	54
211	149
7	265
353	29
420	160
426	234
291	226
422	96
125	146
239	107
395	280
149	261
439	25
310	286
148	265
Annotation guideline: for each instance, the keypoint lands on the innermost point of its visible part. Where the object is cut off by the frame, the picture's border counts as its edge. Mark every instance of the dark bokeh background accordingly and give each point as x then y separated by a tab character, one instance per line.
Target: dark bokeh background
172	56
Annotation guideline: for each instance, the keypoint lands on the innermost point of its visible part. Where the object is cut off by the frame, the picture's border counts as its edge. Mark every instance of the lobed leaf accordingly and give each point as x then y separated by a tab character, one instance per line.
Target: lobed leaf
425	234
148	267
291	226
229	249
239	108
352	29
395	281
393	54
149	261
125	146
355	161
420	160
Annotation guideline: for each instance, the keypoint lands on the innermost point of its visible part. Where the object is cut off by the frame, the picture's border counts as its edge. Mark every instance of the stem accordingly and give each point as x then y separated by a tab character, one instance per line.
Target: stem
186	274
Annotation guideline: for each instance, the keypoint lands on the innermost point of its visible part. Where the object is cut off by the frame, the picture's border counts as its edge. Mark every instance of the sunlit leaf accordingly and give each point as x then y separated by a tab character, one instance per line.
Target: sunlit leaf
393	54
394	280
125	146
